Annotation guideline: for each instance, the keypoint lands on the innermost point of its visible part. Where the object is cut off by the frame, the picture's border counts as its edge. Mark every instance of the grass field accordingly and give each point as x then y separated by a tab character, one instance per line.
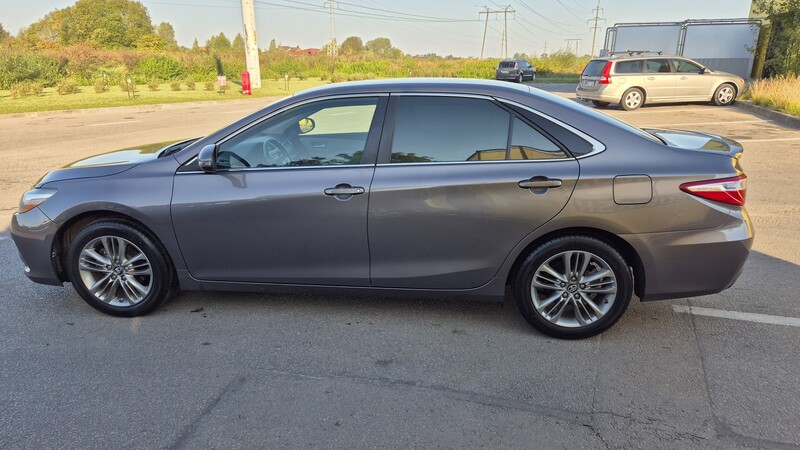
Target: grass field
779	93
49	100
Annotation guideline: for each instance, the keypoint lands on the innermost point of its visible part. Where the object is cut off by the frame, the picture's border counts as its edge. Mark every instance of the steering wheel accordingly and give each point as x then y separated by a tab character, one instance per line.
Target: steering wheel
234	156
275	153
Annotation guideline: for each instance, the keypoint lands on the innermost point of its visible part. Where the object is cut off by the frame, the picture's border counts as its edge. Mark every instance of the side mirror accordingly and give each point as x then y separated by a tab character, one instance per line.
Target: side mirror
207	158
703	71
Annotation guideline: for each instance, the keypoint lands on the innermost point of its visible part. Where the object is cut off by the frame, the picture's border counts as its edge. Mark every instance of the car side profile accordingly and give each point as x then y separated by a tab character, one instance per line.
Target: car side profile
517	70
635	79
423	187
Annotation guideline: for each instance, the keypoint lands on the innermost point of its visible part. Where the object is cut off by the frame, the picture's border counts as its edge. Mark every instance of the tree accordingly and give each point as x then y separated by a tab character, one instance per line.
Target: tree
380	46
165	31
218	43
3	33
47	29
783	50
195	45
108	23
238	43
352	46
272	46
150	42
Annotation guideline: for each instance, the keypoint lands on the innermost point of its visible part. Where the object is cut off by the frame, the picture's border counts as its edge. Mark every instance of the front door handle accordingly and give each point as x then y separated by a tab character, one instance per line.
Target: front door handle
684	77
535	183
344	191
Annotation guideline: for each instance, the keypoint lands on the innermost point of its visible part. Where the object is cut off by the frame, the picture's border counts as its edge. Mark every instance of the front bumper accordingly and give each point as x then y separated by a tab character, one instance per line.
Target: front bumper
692	263
33	233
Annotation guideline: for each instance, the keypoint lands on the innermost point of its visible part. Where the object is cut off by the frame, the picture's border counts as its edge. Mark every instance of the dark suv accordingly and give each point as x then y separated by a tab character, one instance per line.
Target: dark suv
515	70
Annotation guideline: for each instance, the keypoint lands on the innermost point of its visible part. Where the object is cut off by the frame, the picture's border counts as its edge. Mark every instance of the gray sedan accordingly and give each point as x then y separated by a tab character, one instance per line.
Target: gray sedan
424	187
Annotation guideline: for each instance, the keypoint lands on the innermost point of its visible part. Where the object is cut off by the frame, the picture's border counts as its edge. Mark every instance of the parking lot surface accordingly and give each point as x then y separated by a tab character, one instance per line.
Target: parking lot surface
229	370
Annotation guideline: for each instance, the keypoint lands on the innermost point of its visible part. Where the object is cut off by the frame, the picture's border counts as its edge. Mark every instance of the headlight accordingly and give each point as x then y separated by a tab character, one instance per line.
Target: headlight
34	198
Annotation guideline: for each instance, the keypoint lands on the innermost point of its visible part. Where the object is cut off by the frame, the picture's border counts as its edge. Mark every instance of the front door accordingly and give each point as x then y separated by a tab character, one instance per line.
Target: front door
459	183
693	83
288	202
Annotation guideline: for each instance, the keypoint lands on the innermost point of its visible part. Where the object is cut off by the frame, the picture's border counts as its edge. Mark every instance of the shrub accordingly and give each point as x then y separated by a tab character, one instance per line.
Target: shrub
100	86
159	67
19	89
190	85
17	67
67	87
35	88
209	85
153	85
175	85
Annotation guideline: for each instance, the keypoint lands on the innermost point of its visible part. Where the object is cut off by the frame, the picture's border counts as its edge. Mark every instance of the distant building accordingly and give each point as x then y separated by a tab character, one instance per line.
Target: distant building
305	51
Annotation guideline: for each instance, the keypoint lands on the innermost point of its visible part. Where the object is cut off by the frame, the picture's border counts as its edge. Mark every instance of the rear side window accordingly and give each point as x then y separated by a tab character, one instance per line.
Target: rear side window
658	66
635	66
594	68
445	129
529	143
576	145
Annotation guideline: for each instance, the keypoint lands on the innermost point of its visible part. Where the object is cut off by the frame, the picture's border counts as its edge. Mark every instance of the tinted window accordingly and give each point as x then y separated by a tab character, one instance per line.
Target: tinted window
636	66
576	145
329	132
594	68
529	143
658	66
429	129
683	66
508	64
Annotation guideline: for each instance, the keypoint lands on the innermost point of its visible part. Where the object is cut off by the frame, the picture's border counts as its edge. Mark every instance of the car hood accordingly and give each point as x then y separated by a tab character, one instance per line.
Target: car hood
697	141
112	163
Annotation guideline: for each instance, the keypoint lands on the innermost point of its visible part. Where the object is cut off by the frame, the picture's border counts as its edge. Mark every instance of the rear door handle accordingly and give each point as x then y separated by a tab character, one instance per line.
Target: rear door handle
540	183
684	77
651	78
344	191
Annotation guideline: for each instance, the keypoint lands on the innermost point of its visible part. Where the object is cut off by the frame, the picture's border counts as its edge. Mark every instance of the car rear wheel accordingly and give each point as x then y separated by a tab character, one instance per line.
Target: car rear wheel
632	99
519	78
600	104
573	287
119	270
725	95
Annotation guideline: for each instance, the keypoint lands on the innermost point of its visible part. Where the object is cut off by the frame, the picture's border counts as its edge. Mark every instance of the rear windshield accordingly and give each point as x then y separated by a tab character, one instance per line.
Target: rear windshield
594	68
508	64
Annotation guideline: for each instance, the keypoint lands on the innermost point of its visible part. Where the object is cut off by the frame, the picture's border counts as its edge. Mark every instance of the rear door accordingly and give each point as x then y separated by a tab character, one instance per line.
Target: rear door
659	80
459	183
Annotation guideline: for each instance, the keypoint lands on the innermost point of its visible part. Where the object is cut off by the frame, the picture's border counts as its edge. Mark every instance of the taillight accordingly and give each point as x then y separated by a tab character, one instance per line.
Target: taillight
726	190
606	77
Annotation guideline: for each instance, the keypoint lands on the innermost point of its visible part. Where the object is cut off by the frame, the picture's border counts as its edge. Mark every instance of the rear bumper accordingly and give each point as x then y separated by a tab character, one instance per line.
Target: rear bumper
33	233
506	76
692	263
599	96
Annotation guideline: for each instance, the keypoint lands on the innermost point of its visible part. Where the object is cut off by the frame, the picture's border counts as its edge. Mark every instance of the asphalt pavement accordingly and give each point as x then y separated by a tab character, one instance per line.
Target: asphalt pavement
235	370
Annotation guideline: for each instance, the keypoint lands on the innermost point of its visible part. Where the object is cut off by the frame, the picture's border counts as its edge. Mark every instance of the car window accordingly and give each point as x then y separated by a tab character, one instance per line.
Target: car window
594	68
635	66
432	129
658	66
529	143
508	64
683	66
328	132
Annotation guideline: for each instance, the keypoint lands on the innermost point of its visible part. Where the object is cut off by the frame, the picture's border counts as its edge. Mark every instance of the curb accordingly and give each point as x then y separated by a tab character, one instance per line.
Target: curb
135	107
775	116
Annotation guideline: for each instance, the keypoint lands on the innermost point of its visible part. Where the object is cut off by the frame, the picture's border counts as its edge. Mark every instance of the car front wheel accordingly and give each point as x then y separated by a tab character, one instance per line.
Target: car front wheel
119	270
573	287
724	95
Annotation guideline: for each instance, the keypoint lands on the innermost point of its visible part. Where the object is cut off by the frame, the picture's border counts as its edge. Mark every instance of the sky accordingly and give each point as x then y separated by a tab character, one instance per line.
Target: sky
444	27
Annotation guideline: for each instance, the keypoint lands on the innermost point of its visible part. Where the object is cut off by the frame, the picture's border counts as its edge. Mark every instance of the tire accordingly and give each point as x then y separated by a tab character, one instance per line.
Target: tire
600	104
519	78
725	95
632	99
122	290
586	310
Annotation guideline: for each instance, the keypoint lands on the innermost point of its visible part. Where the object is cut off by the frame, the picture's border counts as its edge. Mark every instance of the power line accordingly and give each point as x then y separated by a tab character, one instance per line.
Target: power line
595	28
506	9
546	19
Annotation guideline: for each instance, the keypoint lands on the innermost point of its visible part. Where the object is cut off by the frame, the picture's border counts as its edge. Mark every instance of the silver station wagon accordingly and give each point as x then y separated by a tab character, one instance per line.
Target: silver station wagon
635	79
425	187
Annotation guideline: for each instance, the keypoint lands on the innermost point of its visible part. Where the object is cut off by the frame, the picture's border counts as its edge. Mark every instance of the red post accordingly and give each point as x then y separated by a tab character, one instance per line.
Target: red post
246	83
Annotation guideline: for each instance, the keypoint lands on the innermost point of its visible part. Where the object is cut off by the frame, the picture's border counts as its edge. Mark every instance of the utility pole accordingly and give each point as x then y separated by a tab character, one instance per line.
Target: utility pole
251	43
506	9
570	41
545	48
333	48
595	28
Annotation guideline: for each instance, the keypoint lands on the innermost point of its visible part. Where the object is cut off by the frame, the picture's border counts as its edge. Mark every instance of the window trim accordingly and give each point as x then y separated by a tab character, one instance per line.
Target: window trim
387	137
371	147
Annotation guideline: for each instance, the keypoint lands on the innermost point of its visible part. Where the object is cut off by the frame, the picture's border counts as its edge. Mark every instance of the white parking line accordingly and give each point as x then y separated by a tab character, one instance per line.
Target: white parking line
770	140
112	123
686	124
736	315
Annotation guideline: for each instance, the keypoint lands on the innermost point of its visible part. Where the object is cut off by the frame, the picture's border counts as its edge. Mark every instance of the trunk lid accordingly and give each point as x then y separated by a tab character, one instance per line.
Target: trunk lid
700	142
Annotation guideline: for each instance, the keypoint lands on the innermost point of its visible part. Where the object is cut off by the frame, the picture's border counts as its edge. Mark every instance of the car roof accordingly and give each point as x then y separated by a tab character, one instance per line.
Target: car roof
419	85
637	55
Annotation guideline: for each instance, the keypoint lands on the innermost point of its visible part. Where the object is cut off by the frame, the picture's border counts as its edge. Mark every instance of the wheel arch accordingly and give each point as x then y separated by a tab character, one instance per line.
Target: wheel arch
627	251
640	88
67	232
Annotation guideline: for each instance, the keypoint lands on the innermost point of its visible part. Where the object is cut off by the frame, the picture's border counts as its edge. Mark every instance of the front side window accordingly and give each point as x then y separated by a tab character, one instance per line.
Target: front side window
683	66
447	129
658	66
327	132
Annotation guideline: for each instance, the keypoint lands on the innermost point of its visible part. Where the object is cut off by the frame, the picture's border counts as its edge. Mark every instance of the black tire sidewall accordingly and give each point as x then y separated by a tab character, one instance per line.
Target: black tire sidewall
162	278
716	93
538	256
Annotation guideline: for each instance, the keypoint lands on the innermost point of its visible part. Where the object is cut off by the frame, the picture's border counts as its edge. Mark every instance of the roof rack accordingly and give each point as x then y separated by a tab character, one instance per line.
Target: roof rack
634	52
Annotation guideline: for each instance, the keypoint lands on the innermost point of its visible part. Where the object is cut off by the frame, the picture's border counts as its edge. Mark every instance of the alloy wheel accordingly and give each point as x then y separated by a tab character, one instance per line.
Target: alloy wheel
115	271
633	99
725	95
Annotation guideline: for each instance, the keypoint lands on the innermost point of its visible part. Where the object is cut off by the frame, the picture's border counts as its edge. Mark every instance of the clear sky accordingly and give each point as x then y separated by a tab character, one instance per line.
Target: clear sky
409	24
